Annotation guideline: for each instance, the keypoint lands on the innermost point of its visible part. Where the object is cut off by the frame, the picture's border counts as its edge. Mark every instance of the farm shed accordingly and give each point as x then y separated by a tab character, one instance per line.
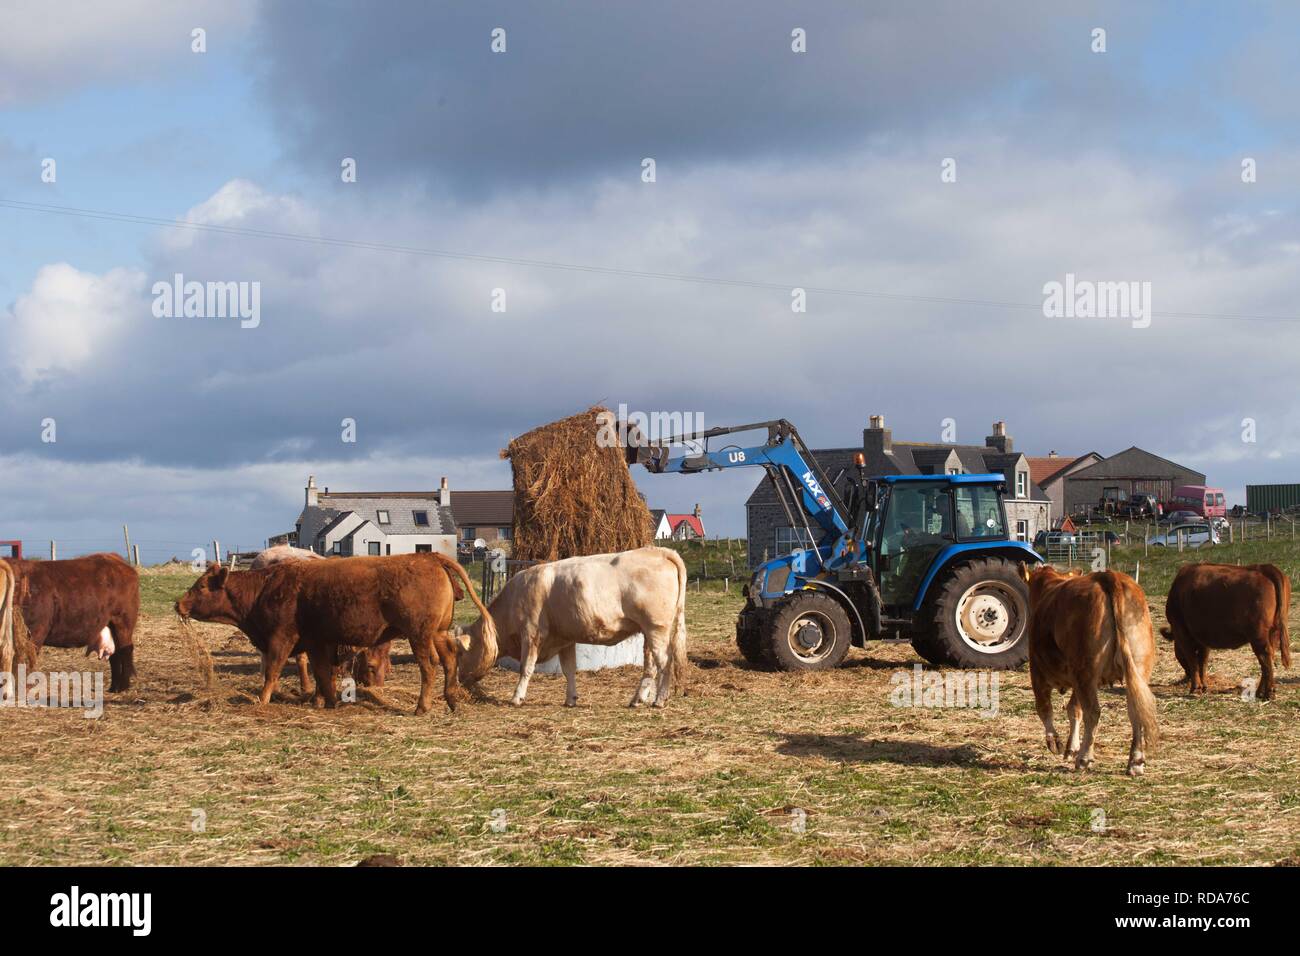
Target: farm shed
1129	471
1028	508
358	523
1050	472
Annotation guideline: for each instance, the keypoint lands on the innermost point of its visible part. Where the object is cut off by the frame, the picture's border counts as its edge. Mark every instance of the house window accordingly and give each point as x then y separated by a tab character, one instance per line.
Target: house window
421	518
423	548
372	548
469	534
1022	530
954	471
383	516
338	547
503	534
1022	484
787	539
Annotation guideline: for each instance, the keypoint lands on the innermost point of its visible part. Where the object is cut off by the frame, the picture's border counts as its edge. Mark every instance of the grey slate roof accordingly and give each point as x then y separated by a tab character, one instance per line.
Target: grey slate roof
399	505
907	458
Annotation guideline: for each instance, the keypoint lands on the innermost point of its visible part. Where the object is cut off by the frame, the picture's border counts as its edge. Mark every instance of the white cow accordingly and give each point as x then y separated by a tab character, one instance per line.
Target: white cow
283	552
7	675
597	599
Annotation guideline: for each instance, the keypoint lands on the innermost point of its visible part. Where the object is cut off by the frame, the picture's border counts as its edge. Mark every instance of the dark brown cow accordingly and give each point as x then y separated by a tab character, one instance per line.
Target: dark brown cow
91	602
1086	630
358	602
1222	606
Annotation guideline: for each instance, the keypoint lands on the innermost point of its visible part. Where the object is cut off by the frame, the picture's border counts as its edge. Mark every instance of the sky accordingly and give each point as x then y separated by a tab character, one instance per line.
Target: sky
922	169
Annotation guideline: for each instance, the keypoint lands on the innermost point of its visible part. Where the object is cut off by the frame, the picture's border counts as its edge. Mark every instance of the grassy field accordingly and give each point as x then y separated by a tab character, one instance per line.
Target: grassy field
750	767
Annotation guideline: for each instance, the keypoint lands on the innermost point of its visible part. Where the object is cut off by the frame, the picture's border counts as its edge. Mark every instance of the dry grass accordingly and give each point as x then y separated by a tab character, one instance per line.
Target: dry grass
572	495
716	777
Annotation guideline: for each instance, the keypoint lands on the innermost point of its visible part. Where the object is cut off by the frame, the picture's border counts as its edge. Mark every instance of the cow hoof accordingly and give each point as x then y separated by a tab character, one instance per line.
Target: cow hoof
1136	769
659	704
1054	743
571	702
517	701
1083	766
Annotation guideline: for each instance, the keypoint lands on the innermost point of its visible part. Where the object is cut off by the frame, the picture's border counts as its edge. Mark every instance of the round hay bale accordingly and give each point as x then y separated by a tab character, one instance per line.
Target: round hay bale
574	496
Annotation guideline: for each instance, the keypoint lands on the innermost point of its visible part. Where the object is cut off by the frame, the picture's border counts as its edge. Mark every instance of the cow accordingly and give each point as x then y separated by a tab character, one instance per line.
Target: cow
1086	630
1221	606
91	602
550	608
8	676
315	606
369	666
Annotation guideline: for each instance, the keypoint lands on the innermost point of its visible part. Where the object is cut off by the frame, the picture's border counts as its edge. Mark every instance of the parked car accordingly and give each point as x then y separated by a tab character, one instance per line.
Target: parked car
1054	539
1198	534
1180	517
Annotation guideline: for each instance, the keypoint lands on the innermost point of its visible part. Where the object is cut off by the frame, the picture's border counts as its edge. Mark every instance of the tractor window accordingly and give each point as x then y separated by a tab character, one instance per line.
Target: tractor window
917	525
979	512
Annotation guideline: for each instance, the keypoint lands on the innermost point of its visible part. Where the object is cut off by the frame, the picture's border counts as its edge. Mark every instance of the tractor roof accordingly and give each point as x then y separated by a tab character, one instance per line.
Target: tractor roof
985	479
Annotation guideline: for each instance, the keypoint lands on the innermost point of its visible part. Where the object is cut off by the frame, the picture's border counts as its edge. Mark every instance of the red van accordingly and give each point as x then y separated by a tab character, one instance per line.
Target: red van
1206	502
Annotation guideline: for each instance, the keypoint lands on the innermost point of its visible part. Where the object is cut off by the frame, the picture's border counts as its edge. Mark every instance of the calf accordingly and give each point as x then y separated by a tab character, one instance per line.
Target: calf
1221	606
315	606
1085	631
91	602
598	599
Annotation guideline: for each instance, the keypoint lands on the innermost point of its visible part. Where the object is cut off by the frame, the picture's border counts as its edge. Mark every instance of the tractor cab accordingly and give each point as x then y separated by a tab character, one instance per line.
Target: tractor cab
927	556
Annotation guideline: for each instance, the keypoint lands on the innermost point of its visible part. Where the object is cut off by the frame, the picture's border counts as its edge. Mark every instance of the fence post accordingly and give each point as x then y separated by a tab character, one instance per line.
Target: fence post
54	552
216	550
126	535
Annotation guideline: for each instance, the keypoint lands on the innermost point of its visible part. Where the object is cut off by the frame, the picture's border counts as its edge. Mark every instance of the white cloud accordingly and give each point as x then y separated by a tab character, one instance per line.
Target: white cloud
48	49
60	324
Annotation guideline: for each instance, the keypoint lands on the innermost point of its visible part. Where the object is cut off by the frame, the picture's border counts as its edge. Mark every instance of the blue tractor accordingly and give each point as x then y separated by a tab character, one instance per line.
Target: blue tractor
925	557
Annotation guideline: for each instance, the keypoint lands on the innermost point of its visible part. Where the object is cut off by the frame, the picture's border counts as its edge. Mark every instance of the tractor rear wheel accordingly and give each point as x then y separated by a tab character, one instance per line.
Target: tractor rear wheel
808	631
978	617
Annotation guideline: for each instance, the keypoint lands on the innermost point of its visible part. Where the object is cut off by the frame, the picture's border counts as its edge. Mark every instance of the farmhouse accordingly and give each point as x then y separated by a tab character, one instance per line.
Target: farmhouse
484	514
1051	471
1028	508
677	527
351	523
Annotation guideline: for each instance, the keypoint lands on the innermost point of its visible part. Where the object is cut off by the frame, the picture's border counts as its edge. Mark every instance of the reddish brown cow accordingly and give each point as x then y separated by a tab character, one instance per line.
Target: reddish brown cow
369	666
91	602
357	602
1085	631
1222	606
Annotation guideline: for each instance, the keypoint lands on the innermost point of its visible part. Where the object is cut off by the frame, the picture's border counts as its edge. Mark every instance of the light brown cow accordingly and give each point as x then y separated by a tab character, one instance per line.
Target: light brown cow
1221	606
597	599
1085	631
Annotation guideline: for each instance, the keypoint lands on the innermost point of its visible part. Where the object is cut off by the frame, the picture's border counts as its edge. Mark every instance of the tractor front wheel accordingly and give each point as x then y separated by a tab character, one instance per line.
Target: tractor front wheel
977	618
808	631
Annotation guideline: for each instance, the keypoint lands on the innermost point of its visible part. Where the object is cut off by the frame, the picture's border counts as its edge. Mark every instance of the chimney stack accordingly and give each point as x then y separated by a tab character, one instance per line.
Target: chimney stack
697	510
444	494
877	439
312	497
999	439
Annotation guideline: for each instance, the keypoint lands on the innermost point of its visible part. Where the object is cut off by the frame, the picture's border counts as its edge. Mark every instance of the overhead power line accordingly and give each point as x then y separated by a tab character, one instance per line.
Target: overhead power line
247	232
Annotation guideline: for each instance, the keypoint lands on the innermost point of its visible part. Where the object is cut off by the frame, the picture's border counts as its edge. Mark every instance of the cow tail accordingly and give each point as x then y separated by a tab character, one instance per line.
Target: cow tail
7	627
1282	587
677	639
488	630
1142	703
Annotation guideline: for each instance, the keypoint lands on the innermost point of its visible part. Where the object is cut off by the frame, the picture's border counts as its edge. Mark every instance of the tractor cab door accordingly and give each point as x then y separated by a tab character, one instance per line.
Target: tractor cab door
916	526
